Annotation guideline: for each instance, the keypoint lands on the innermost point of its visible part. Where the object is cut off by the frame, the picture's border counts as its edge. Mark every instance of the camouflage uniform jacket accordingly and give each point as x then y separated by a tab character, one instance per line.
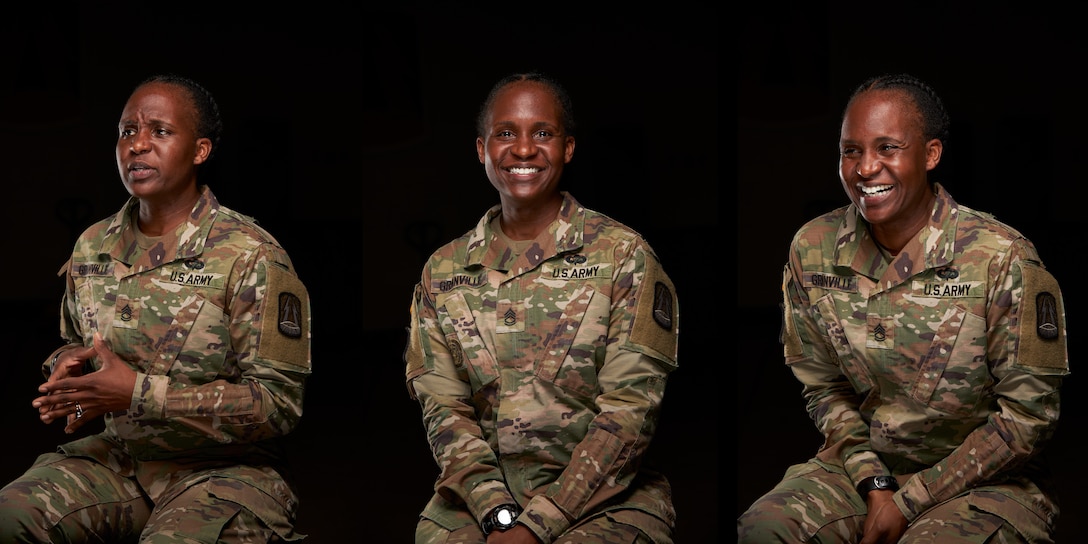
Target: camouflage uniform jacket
540	376
943	362
217	326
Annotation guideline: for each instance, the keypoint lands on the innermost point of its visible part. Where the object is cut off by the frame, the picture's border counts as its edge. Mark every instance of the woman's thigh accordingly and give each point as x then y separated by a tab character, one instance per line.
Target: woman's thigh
809	504
71	499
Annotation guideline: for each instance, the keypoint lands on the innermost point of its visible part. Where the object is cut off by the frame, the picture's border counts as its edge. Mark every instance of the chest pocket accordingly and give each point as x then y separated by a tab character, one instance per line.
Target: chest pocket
839	344
157	329
571	342
953	372
465	343
176	339
86	296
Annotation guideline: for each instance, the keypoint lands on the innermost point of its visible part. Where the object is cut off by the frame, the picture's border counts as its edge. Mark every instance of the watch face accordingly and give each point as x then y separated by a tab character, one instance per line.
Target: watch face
504	516
883	482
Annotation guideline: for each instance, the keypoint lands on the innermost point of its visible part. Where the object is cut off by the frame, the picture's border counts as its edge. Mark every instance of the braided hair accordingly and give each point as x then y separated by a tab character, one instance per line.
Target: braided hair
560	93
208	122
935	120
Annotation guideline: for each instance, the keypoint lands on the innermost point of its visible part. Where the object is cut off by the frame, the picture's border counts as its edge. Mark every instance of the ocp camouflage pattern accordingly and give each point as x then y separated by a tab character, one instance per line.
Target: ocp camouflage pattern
217	325
943	361
541	375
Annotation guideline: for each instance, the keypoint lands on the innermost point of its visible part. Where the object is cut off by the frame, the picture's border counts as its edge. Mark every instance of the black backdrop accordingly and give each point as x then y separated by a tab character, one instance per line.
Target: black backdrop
349	135
1018	117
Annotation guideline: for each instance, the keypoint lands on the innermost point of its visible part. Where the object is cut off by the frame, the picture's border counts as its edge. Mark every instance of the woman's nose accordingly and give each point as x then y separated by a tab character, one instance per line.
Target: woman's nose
139	142
525	146
867	168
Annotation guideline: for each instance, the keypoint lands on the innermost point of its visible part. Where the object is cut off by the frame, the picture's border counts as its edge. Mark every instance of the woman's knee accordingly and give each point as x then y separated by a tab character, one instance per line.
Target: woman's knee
61	499
806	505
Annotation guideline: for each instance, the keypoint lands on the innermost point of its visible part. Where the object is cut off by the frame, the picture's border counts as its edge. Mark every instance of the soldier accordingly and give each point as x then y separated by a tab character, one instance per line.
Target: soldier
188	332
539	348
930	342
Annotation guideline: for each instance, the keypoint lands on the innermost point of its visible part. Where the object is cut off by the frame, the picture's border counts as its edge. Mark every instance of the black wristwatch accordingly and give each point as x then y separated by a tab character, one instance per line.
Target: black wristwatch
501	517
880	483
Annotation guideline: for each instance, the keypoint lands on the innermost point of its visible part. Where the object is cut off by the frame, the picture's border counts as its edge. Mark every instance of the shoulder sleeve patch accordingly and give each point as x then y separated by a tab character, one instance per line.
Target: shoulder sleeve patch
657	321
791	341
413	350
285	318
1042	321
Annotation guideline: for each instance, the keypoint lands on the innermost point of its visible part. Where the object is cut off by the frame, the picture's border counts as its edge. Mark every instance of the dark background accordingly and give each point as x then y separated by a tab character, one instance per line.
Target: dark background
1011	81
350	136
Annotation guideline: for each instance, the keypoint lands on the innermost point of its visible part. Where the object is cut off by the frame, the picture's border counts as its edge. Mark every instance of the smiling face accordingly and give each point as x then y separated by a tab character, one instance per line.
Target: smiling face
884	160
157	146
524	146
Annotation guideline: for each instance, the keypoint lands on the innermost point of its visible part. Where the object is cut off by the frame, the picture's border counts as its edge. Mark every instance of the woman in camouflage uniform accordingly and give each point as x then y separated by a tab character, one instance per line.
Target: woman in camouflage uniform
188	332
930	342
540	345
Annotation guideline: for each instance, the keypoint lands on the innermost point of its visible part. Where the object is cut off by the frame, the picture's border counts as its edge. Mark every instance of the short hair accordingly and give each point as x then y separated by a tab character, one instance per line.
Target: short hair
209	124
566	115
935	120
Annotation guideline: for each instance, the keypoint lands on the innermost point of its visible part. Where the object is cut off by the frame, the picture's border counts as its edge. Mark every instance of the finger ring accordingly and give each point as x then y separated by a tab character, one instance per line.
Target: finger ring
79	411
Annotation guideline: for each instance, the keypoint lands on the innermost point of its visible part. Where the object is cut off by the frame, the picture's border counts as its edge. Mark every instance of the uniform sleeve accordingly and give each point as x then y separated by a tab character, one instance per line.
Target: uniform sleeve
831	399
265	333
644	329
1026	350
468	468
70	328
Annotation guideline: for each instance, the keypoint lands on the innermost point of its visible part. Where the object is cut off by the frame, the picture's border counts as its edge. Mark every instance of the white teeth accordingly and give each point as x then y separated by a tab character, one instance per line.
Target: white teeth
522	171
870	191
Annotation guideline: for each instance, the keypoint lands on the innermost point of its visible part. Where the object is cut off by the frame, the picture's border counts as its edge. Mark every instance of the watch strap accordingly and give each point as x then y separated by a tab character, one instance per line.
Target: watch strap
881	483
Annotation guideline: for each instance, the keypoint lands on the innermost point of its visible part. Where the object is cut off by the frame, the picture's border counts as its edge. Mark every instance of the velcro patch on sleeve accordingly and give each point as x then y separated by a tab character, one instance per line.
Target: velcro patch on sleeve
413	351
1042	321
657	319
285	318
791	340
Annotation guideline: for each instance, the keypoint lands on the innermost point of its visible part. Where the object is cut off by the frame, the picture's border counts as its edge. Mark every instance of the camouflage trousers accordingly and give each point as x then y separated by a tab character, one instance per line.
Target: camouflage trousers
816	505
599	529
74	499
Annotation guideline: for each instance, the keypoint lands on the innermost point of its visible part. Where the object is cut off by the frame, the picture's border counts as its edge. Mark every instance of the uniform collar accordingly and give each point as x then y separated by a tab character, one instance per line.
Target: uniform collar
934	246
486	248
186	241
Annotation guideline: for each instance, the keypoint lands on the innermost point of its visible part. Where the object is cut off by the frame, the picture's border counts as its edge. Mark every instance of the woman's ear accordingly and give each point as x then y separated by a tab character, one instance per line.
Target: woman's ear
934	149
203	150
